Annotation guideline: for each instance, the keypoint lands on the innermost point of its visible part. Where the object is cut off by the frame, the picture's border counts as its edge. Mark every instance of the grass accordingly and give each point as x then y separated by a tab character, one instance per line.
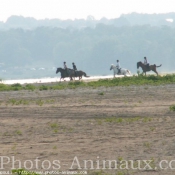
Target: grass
147	145
23	172
125	81
39	102
101	93
18	132
172	108
120	120
54	125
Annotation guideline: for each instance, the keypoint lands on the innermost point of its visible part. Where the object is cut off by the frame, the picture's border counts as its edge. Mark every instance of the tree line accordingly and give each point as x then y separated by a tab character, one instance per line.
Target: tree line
92	49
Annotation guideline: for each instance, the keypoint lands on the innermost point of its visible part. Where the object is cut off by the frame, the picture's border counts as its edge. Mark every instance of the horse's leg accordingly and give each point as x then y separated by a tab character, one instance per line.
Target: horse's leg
156	72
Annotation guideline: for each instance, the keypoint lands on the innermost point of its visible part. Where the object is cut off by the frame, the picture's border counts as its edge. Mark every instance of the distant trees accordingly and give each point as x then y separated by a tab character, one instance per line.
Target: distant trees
93	49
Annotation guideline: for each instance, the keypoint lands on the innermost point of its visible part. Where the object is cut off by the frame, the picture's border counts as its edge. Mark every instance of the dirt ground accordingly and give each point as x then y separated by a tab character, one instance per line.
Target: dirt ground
69	126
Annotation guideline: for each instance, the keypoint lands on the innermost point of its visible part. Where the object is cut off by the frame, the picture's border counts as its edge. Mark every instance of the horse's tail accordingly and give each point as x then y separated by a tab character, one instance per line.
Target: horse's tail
85	75
159	65
128	72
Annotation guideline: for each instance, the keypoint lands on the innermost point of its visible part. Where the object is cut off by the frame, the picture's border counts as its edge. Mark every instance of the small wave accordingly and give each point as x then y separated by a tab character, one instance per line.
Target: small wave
55	79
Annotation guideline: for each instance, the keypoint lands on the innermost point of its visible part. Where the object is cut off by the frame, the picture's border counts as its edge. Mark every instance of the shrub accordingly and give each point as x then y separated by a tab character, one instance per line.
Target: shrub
30	87
172	108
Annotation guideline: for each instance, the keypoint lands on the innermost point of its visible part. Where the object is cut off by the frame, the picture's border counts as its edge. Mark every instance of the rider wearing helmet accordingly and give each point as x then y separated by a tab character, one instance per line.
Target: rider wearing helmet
146	62
65	67
74	68
118	66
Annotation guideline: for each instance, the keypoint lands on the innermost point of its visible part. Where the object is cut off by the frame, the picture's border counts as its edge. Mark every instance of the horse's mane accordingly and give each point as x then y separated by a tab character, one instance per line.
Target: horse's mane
60	68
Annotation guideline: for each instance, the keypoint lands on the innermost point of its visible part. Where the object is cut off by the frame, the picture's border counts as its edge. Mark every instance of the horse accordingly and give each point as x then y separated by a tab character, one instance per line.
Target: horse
146	68
80	74
64	73
123	71
72	73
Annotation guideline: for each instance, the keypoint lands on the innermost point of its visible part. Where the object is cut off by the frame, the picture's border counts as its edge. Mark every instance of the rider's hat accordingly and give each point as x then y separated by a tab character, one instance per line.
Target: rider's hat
73	63
117	60
64	62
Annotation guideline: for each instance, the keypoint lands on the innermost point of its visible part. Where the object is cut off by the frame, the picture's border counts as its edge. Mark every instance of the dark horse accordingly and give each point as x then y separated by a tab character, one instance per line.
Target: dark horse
147	68
71	74
64	73
80	74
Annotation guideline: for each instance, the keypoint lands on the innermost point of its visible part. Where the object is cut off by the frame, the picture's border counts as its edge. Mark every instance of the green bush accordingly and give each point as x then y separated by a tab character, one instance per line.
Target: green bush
16	87
43	87
172	108
30	87
124	81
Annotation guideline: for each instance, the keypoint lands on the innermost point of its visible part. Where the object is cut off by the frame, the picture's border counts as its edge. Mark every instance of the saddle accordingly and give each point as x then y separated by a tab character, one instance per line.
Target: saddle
68	72
148	67
119	71
75	73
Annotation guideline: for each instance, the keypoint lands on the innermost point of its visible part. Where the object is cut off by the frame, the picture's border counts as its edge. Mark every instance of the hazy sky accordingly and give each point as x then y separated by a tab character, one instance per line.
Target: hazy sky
71	9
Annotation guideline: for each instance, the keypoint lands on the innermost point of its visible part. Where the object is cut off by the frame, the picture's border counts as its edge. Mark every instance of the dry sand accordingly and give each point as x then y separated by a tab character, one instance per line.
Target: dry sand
61	124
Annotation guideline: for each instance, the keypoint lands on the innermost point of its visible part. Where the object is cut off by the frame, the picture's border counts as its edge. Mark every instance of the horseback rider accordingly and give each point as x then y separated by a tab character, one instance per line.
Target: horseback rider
118	67
146	62
74	68
65	68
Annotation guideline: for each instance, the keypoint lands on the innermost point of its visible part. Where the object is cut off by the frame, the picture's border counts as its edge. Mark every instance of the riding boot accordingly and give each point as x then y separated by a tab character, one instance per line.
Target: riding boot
68	73
148	67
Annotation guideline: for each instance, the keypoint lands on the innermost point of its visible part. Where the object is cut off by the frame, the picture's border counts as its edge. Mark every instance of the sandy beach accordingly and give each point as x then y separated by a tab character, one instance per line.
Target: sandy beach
114	123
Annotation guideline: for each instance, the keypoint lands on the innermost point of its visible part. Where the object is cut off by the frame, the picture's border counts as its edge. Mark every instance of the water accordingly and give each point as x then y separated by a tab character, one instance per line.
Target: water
55	79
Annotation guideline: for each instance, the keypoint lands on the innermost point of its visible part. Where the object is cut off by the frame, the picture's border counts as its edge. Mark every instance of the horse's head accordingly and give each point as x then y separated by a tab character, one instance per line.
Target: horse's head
139	64
112	66
58	70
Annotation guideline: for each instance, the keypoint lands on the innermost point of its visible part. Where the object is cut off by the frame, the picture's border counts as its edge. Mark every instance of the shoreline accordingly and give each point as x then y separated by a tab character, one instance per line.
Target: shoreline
55	80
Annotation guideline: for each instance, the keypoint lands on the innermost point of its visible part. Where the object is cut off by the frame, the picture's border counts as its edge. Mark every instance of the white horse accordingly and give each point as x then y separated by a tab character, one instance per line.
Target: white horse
123	71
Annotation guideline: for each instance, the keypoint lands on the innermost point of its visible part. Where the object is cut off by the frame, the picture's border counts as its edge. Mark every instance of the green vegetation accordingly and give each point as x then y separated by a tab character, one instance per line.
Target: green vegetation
125	81
120	120
101	93
23	172
172	108
18	132
39	102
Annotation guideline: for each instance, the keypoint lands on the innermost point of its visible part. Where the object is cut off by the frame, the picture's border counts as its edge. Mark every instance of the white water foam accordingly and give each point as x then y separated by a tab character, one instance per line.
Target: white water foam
55	79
